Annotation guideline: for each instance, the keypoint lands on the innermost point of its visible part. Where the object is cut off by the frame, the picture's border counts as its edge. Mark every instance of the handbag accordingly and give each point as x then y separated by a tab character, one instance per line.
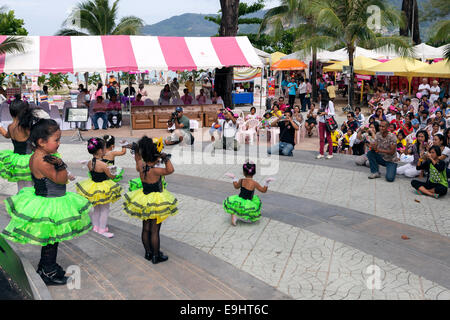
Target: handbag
331	124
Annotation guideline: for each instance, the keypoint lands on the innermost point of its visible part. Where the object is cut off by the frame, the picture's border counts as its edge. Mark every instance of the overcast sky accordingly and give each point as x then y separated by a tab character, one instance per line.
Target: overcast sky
44	17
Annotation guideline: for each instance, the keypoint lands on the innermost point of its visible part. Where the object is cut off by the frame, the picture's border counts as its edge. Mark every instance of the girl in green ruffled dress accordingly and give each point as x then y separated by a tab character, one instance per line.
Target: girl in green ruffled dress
246	206
46	214
14	163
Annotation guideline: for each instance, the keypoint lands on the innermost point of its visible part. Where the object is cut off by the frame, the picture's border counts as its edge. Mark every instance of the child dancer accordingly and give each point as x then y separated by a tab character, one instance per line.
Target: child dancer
14	164
136	184
46	214
99	189
246	206
152	204
110	155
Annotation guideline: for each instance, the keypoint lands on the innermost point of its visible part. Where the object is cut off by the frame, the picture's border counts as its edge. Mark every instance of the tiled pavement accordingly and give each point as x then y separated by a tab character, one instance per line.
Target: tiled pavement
297	262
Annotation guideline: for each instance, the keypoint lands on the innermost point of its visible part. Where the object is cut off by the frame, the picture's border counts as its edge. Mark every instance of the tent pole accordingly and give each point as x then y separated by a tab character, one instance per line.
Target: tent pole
260	89
129	103
362	88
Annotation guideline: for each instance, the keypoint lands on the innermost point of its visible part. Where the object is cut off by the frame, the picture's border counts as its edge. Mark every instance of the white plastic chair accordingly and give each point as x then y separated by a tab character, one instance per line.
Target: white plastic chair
194	124
248	130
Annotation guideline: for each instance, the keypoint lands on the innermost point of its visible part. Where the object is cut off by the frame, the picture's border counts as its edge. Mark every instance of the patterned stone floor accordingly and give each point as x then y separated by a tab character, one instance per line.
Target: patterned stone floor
298	262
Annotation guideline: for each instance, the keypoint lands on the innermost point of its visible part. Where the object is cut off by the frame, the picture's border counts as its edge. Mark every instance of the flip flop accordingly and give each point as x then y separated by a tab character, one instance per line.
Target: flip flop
436	196
419	192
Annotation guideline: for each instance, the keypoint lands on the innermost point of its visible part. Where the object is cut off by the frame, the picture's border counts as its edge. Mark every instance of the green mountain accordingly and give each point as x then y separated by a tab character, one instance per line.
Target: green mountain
194	25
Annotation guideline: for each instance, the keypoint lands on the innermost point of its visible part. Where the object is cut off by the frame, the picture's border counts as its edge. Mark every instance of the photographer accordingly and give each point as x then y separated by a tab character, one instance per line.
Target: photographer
287	135
229	129
182	128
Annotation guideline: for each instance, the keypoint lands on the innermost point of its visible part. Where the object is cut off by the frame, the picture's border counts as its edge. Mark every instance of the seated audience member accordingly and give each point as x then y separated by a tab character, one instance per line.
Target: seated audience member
138	101
397	122
439	141
114	109
423	119
311	120
216	99
287	127
379	115
281	104
345	141
401	142
201	98
439	119
416	150
436	184
367	136
99	110
359	117
297	115
350	124
186	98
276	112
142	91
335	136
252	114
165	95
383	152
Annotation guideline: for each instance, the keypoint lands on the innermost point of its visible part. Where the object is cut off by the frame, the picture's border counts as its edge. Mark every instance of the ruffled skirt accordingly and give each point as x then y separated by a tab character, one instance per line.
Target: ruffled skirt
15	167
247	210
155	205
97	193
41	221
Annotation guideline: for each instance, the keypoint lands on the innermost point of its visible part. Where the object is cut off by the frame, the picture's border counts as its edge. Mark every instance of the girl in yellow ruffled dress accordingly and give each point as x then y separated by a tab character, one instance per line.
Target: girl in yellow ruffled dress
153	203
99	189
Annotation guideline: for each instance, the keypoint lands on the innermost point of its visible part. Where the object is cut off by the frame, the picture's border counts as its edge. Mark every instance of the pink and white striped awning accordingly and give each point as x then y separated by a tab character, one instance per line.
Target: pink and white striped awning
128	53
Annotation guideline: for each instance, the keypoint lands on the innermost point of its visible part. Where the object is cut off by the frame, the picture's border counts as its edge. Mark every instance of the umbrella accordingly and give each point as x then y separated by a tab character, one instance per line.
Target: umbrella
289	64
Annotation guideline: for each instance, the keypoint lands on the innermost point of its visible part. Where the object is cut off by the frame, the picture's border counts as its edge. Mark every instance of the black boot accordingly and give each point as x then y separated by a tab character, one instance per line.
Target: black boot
54	277
159	258
148	255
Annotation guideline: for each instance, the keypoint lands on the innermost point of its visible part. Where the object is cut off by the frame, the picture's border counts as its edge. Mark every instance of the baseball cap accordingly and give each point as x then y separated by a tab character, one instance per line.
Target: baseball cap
179	109
414	122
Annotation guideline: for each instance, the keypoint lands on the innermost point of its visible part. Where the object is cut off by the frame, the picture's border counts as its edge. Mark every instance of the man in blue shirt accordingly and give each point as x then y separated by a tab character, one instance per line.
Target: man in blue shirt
292	86
284	84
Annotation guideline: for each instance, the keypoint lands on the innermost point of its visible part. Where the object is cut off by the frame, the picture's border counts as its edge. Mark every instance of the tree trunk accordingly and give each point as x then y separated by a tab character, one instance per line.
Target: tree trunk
314	76
411	11
415	27
351	49
223	83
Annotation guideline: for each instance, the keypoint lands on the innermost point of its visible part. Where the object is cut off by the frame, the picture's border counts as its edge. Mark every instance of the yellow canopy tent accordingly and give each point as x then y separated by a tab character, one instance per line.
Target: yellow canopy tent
360	65
440	69
276	56
404	67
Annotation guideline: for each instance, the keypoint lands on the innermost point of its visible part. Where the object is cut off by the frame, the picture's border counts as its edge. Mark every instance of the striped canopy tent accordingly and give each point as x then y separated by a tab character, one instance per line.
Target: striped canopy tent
128	53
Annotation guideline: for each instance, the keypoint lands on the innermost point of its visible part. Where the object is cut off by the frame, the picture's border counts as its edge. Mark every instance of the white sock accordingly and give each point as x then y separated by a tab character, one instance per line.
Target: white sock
95	216
23	184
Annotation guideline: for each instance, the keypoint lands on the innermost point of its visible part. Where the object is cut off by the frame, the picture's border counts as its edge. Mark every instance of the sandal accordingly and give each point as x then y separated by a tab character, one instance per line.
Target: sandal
419	192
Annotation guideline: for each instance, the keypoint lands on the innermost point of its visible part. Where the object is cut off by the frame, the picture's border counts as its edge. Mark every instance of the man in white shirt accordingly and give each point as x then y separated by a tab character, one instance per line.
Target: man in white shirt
302	94
228	140
434	92
424	87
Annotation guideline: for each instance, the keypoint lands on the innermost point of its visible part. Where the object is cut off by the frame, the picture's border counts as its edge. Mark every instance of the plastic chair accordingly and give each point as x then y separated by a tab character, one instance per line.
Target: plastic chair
194	124
248	130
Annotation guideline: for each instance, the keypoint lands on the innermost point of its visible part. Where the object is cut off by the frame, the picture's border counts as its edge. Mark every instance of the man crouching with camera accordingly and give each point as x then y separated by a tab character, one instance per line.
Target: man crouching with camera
182	128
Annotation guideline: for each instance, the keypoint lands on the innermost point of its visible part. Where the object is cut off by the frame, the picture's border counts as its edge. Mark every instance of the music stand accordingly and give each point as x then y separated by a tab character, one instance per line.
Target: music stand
77	115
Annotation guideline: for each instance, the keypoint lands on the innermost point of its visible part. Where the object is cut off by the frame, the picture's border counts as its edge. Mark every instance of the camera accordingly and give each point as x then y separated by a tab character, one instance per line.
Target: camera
134	148
173	117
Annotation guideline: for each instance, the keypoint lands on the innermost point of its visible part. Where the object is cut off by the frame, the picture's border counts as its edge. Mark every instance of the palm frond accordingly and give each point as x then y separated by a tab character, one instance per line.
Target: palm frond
129	26
12	45
70	32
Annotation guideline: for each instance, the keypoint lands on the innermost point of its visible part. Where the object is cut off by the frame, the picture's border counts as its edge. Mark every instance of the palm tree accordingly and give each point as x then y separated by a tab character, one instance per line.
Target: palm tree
97	17
442	34
294	14
344	23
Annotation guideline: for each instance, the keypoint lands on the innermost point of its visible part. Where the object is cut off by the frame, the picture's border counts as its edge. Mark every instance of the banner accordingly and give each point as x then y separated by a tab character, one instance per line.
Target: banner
246	74
271	86
362	77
